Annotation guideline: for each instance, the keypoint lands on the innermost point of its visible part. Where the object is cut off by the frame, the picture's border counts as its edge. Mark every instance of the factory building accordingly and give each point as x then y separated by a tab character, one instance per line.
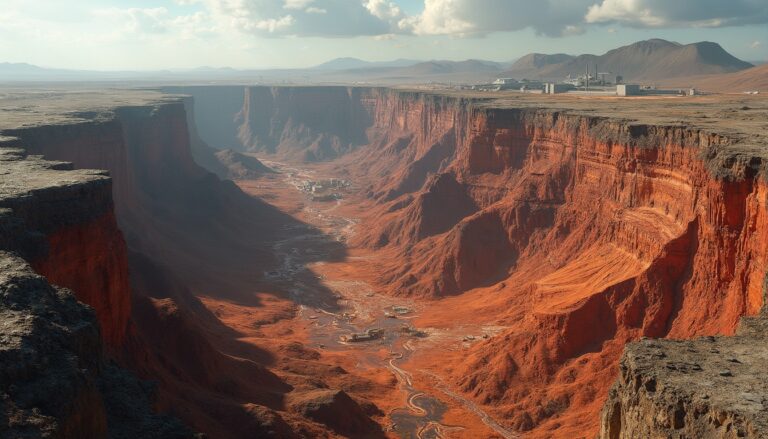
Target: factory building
554	88
627	90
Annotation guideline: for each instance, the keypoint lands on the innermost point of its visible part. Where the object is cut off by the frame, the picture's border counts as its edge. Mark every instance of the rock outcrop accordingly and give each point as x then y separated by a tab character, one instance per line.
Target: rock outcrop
55	379
712	387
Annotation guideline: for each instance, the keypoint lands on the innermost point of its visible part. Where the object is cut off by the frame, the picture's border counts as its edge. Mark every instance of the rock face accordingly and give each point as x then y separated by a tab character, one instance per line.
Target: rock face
583	232
81	242
590	231
176	218
54	378
711	387
324	407
297	123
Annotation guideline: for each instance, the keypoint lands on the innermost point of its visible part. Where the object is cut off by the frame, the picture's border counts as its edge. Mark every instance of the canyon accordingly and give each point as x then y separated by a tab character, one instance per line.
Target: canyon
539	267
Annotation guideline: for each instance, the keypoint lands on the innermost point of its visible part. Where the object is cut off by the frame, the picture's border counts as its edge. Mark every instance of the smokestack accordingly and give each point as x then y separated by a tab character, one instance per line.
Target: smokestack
586	78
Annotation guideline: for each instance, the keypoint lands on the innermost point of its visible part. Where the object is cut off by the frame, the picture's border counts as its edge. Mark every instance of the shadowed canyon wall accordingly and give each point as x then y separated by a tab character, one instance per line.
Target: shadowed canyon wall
55	379
187	234
589	232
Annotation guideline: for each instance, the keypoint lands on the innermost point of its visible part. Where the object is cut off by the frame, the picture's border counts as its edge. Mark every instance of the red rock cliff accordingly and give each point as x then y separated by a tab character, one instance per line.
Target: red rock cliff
590	231
176	218
87	256
595	231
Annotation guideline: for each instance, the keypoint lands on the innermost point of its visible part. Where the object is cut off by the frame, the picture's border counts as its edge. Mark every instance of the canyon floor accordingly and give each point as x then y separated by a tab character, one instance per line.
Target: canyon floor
340	300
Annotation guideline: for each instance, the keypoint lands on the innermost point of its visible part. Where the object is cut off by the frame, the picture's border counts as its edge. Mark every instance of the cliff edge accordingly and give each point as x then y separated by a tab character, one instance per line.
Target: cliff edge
55	379
710	387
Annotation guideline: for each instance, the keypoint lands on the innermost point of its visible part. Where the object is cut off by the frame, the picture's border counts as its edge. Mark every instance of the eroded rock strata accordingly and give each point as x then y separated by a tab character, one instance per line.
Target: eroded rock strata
187	234
587	230
55	379
712	387
574	230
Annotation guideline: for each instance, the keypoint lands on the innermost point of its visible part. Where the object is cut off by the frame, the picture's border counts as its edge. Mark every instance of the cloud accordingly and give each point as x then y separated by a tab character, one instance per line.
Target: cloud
272	25
466	17
308	18
554	18
138	20
755	44
666	13
384	10
297	4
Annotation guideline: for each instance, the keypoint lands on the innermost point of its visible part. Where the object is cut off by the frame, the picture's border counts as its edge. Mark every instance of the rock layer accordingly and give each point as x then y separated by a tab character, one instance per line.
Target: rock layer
577	232
711	387
589	231
54	378
188	235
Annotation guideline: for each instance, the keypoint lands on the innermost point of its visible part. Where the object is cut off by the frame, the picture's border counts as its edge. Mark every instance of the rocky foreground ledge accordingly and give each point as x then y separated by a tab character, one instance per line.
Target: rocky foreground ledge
711	387
55	380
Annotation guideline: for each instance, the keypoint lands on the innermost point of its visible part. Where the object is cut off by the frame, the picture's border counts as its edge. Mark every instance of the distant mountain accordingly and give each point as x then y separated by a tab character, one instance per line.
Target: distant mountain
355	63
432	68
654	59
755	78
18	68
530	64
447	67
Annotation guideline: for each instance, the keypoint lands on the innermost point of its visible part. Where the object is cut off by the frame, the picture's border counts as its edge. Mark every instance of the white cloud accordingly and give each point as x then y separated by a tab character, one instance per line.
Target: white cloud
755	44
324	18
272	25
384	9
297	4
464	17
138	20
385	37
666	13
340	18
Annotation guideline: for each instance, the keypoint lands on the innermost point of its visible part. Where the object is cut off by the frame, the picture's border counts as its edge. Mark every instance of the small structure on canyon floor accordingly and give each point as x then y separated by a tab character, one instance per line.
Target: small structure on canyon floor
410	330
369	335
398	309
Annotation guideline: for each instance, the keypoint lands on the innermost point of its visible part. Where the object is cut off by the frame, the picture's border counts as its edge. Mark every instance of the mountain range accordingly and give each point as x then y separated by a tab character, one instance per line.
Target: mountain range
654	60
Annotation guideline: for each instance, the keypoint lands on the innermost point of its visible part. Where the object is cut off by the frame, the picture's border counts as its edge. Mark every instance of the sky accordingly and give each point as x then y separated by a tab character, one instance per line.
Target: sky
179	34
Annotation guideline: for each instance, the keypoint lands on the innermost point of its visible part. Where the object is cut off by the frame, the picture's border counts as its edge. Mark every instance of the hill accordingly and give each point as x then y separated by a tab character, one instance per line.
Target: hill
356	63
654	59
755	78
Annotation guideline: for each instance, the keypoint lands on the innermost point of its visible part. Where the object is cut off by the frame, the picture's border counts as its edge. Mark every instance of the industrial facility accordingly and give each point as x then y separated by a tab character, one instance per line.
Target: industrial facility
591	82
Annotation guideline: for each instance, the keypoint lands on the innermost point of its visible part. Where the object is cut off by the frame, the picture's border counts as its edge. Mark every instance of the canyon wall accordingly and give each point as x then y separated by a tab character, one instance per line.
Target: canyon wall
54	376
576	233
584	232
188	234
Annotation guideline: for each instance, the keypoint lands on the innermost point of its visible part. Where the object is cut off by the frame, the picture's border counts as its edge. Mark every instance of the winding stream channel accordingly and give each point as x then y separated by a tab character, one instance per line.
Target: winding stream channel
338	308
